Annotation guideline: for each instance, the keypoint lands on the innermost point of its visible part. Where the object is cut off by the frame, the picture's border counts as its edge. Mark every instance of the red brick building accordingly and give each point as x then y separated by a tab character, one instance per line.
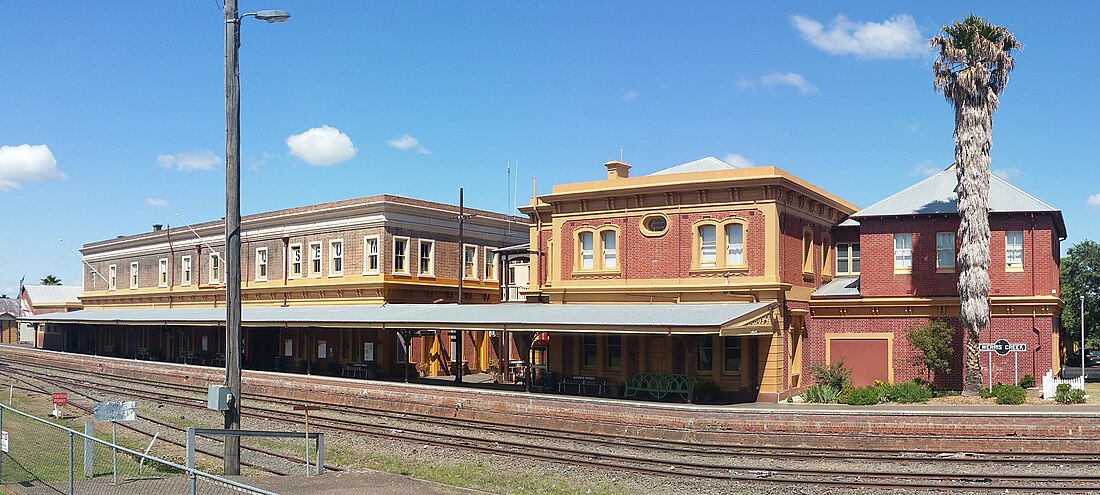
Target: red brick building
895	267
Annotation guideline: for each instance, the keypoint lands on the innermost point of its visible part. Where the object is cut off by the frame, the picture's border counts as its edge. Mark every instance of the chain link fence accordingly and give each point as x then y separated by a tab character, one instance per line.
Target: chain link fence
43	457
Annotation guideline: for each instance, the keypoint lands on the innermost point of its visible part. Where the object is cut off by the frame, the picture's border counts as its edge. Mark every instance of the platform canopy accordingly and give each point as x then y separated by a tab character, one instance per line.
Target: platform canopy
684	319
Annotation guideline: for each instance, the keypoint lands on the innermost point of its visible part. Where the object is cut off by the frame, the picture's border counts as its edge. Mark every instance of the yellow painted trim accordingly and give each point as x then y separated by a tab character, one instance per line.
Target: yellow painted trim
1014	269
903	271
650	233
946	269
889	337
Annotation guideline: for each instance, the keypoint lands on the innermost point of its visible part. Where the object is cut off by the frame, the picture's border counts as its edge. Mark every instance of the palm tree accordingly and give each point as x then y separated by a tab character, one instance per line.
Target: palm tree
51	280
971	71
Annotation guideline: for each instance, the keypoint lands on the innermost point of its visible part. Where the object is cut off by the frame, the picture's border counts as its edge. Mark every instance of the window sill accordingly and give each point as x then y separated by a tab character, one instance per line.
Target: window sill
826	278
946	269
427	275
596	273
720	269
372	273
335	275
903	271
401	274
1014	269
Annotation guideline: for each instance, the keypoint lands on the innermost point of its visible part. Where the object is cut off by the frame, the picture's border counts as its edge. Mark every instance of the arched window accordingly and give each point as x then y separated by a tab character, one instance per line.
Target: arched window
708	246
735	244
588	252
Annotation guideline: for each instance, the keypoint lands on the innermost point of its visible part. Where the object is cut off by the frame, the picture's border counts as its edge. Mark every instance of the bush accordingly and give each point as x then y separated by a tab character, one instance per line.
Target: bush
1027	381
1065	394
834	375
1009	394
864	396
820	394
706	391
909	392
935	341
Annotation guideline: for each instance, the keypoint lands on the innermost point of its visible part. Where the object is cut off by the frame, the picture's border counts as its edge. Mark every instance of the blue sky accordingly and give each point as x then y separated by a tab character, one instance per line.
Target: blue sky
112	115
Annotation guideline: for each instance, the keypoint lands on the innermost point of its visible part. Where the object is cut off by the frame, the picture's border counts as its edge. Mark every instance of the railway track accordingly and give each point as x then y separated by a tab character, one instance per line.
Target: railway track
681	459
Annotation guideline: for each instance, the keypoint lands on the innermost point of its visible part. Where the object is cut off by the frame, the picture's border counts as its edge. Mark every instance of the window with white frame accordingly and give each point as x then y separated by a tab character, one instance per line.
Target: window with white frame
1014	249
426	266
847	258
336	264
133	275
708	246
162	273
215	268
588	251
903	251
370	255
112	277
609	247
490	264
295	258
945	250
735	244
315	258
469	262
261	264
185	270
401	255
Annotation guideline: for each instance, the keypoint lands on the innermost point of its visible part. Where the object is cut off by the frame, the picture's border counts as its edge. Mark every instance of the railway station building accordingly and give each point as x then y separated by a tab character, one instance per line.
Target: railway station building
160	295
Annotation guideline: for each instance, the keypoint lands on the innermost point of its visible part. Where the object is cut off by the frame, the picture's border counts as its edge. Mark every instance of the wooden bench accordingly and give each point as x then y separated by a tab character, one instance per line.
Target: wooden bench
659	385
583	384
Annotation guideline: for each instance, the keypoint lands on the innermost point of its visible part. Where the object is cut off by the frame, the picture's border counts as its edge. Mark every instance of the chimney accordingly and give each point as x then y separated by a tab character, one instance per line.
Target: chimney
617	170
157	227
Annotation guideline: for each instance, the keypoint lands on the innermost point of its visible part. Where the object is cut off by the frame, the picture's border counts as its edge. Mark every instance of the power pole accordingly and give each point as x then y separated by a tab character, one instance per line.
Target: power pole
232	460
461	275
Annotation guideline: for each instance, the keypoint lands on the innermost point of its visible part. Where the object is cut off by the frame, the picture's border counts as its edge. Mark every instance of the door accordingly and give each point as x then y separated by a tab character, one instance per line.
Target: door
869	359
656	358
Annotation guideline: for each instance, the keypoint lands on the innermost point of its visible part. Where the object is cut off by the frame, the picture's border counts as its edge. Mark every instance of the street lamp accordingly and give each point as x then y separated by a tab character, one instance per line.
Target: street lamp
232	460
1082	338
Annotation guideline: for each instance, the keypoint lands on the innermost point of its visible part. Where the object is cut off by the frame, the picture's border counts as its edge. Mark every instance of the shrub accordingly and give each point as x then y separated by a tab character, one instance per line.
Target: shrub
935	341
1027	381
864	396
834	375
1065	394
1009	394
706	391
909	392
820	394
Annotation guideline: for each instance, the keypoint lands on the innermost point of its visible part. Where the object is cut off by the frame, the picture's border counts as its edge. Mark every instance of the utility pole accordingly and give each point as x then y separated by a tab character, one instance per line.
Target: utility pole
461	275
232	459
1082	338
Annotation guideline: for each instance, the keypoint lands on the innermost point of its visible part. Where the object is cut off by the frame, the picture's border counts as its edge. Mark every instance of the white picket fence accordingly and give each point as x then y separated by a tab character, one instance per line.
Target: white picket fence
1050	384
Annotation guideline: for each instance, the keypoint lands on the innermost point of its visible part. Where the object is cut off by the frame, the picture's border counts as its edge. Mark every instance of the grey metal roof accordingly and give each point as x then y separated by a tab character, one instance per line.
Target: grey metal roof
840	286
54	294
640	318
704	164
936	195
9	306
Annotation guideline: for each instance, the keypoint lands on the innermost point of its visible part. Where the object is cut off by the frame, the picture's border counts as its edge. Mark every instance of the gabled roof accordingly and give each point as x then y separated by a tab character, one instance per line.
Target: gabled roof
53	294
936	195
705	164
9	306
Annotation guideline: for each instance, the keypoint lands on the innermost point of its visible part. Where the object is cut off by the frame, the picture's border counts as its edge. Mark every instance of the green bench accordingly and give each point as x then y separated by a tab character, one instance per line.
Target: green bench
659	385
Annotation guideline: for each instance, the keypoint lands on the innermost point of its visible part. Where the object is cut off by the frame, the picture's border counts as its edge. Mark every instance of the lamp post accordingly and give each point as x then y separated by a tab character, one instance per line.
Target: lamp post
1082	338
232	459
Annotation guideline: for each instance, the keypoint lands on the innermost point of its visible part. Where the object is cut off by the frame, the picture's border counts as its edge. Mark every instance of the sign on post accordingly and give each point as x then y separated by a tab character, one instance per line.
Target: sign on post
3	441
60	399
115	411
1002	347
306	409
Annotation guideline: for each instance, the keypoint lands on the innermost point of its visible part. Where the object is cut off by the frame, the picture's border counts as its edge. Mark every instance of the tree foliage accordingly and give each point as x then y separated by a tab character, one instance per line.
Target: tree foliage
51	280
1081	277
935	340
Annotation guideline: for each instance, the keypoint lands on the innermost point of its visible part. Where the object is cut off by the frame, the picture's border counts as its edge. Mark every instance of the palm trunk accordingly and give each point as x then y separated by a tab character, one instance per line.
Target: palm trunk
974	106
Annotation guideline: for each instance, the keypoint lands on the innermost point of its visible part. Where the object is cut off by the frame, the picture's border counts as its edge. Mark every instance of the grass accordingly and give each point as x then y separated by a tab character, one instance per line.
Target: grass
1093	389
475	476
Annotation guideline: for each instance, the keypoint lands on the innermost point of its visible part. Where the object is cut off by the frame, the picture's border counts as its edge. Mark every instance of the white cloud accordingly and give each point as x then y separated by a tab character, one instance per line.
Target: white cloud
897	37
158	202
190	160
628	95
745	82
321	146
406	142
1094	201
27	163
1006	173
738	160
788	79
926	168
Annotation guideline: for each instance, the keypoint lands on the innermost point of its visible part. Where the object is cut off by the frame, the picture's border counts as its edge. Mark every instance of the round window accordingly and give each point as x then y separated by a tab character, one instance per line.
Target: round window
654	225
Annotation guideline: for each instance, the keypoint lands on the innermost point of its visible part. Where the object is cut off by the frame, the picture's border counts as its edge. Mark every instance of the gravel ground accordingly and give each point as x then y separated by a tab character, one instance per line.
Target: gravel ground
363	456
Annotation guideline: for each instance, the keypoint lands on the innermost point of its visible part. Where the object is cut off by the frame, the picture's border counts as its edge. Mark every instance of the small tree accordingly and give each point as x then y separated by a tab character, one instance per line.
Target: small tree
935	340
51	280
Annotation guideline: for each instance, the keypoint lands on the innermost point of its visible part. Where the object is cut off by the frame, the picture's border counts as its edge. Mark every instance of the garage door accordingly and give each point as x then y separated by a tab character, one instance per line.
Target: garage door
869	359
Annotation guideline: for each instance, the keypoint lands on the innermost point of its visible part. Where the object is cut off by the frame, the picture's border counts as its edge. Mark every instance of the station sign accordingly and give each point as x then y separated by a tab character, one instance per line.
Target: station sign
3	441
60	399
1002	347
115	411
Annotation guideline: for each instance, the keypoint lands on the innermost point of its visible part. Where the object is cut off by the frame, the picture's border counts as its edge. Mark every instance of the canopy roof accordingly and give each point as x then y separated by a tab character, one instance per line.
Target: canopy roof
722	319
